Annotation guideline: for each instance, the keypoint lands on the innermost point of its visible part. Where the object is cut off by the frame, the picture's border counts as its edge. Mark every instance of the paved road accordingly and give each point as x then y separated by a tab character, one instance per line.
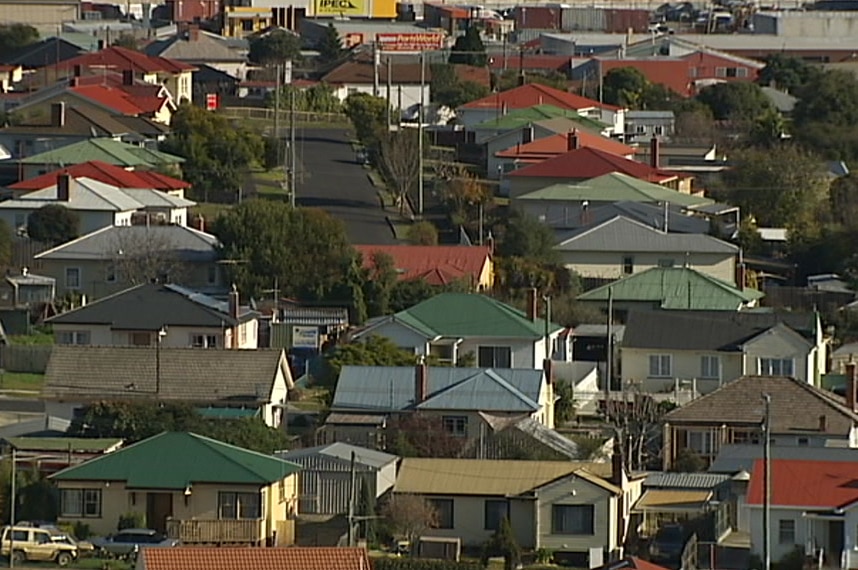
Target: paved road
333	182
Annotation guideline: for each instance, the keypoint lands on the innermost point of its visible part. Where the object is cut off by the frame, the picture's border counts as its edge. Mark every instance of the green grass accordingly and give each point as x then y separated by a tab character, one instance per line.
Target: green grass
25	381
268	184
37	338
210	210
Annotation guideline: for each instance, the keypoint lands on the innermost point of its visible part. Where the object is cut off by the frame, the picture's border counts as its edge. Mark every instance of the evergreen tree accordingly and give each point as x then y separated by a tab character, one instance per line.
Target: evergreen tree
469	49
366	508
502	543
330	47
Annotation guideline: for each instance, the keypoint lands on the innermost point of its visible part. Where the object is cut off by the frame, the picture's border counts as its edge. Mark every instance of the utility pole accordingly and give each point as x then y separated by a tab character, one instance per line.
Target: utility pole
277	109
376	60
547	300
420	135
293	167
767	482
389	86
352	492
609	350
12	513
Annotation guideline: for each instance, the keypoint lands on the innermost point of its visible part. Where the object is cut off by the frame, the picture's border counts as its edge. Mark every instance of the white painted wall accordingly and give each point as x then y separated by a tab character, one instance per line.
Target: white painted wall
609	264
410	94
176	337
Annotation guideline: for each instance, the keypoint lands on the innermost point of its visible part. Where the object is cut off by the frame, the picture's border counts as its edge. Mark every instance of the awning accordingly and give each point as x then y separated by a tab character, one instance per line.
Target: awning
670	501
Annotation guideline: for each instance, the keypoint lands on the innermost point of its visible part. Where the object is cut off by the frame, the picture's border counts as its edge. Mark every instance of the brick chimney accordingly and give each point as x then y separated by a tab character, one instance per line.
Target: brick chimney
194	33
654	152
740	275
851	386
421	381
531	304
572	141
58	114
618	470
128	77
233	305
63	187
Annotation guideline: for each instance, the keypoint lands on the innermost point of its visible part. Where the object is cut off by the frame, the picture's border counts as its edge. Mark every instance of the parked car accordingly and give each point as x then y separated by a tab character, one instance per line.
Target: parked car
84	547
666	547
23	543
129	541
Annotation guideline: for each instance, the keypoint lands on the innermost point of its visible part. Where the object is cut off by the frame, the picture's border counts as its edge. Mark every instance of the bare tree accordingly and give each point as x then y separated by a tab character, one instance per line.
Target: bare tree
636	420
141	254
401	161
410	516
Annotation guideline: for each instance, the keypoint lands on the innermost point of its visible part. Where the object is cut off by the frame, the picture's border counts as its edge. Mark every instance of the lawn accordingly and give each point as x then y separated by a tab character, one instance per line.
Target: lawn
209	210
24	381
36	338
269	184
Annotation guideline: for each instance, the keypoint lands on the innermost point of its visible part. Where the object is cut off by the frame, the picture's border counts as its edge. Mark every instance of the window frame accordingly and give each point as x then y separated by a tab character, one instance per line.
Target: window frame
785	534
75	338
496	349
766	366
627	266
87	498
705	371
238	505
445	509
78	280
455	425
205	340
555	518
488	508
659	369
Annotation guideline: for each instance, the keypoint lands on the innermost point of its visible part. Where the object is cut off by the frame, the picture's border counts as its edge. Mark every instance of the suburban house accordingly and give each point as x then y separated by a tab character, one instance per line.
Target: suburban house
198	48
9	75
510	437
586	163
570	508
620	247
711	348
27	289
436	264
168	315
325	475
97	204
670	498
113	152
115	258
361	76
212	493
679	288
801	416
455	395
451	326
221	383
537	150
47	455
108	174
227	558
531	94
173	74
522	126
813	508
642	126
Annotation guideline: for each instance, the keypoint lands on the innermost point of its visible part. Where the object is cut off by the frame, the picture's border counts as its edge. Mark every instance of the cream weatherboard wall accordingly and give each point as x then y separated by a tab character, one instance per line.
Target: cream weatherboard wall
201	504
611	264
246	333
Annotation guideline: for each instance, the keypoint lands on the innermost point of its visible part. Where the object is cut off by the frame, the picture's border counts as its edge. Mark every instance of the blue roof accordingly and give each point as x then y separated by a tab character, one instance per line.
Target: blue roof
393	388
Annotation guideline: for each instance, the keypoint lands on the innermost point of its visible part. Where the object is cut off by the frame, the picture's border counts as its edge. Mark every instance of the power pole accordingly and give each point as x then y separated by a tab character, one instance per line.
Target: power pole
420	135
389	86
13	502
352	493
767	482
293	167
277	109
609	350
547	300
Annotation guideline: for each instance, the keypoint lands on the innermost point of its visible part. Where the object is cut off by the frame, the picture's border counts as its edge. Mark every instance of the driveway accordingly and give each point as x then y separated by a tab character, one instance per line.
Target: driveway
334	182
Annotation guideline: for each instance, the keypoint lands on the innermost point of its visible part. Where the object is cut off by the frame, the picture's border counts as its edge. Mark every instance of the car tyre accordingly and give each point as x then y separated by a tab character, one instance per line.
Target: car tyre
64	559
18	557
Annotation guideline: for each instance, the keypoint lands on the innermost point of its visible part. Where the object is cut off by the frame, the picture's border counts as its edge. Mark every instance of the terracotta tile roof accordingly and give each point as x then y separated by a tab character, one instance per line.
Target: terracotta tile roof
122	59
107	173
587	162
435	264
798	483
531	61
111	97
672	73
293	558
532	94
548	147
479	75
796	406
362	73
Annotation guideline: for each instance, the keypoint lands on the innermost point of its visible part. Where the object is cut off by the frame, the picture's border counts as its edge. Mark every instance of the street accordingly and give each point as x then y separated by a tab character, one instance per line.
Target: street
330	179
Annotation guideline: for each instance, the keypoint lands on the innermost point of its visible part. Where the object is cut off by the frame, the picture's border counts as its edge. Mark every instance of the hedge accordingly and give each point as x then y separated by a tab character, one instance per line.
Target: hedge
421	564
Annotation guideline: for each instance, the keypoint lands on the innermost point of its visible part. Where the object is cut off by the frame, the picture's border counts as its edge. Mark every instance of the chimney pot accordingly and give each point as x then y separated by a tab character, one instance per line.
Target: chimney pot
531	303
193	32
421	381
63	187
527	134
572	141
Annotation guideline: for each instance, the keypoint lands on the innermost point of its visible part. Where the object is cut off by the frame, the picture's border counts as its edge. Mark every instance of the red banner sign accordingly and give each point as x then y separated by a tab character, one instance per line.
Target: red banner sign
211	101
409	42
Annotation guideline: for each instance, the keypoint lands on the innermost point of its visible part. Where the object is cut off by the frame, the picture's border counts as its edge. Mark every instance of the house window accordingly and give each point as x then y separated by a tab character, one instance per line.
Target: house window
701	442
732	72
83	503
775	366
444	511
495	512
666	262
72	278
803	442
741	72
140	338
239	505
746	436
242	334
442	352
73	337
572	519
658	129
628	265
110	273
281	490
786	531
720	72
660	365
495	357
204	341
710	367
247	25
456	425
640	129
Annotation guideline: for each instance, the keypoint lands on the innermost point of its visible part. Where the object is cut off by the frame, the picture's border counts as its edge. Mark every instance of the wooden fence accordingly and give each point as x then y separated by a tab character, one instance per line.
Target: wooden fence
268	115
33	359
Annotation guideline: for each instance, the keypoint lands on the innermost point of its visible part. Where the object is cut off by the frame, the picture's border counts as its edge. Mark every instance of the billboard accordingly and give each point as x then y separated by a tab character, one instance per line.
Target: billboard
305	337
341	7
410	41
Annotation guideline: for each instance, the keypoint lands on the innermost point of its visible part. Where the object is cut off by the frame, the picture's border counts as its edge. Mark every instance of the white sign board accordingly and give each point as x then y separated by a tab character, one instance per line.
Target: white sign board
305	337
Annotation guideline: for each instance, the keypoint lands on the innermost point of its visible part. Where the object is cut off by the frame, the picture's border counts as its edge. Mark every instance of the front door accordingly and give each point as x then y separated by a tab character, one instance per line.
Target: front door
835	543
159	507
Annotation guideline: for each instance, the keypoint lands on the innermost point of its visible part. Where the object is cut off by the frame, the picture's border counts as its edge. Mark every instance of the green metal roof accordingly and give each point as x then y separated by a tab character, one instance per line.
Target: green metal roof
470	314
675	288
174	460
63	443
106	150
227	413
523	117
615	187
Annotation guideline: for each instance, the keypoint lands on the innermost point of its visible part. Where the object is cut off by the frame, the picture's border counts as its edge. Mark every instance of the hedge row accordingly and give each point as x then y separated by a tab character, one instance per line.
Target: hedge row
421	564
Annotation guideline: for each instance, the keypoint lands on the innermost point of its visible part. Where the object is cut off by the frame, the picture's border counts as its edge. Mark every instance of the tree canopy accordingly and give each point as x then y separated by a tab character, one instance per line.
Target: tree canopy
217	153
447	89
16	36
277	47
330	46
53	224
318	98
735	101
372	351
368	115
469	49
628	87
787	73
305	249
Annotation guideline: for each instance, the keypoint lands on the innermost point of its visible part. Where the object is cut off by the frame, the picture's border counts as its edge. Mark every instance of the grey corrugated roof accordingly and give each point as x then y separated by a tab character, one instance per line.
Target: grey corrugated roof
393	388
599	330
155	199
315	315
150	306
734	458
649	115
84	194
685	480
628	236
548	437
783	101
343	451
177	242
208	47
81	373
30	279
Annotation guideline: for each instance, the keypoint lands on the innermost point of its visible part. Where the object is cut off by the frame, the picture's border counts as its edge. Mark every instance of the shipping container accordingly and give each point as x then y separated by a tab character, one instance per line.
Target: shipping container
583	19
621	21
537	17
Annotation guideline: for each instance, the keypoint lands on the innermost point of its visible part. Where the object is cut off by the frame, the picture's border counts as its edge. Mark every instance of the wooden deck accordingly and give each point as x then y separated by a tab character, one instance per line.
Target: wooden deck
249	532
